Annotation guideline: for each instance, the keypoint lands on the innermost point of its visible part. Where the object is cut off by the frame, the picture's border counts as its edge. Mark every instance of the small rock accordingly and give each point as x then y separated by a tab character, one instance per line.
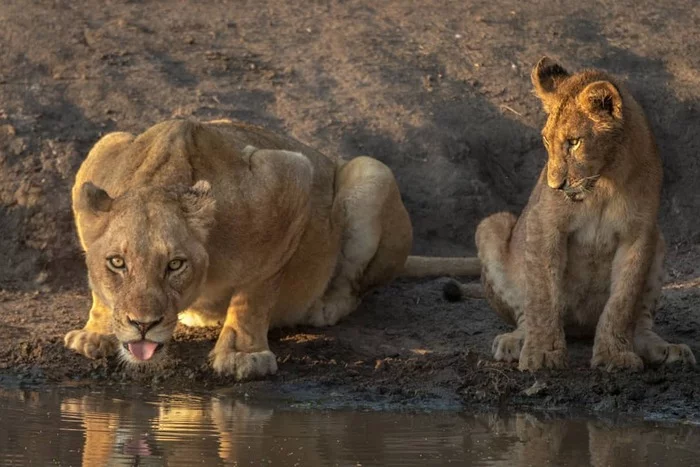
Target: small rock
535	389
8	130
41	277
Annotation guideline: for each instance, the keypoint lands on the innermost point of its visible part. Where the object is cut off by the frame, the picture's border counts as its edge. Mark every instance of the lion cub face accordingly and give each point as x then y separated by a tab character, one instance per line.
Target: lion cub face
146	258
583	129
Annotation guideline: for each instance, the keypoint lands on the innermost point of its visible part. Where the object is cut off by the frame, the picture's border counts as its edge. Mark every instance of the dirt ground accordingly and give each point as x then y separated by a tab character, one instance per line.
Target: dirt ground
438	90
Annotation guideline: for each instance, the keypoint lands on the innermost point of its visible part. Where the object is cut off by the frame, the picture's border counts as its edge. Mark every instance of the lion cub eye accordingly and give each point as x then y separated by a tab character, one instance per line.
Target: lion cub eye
574	143
176	264
116	263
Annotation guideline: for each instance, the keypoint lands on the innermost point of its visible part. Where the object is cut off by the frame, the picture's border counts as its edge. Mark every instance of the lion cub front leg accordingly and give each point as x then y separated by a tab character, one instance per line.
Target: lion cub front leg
507	347
545	258
613	348
242	349
653	349
95	340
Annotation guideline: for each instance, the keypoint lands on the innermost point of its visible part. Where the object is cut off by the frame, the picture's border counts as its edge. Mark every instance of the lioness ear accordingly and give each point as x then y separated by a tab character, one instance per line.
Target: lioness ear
546	76
94	199
199	207
602	100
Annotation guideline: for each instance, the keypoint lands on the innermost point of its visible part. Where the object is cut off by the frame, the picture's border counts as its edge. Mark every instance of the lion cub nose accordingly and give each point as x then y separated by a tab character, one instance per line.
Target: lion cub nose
562	185
143	326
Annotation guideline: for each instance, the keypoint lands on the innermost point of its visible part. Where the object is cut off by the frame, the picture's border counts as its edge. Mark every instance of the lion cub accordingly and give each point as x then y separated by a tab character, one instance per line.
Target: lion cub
586	254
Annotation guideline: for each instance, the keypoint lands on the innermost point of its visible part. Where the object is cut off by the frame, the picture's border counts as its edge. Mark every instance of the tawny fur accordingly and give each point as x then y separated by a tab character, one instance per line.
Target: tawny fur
585	256
265	231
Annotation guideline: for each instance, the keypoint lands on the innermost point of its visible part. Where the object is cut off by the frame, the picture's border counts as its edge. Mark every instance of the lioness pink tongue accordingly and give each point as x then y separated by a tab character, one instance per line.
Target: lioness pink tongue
143	350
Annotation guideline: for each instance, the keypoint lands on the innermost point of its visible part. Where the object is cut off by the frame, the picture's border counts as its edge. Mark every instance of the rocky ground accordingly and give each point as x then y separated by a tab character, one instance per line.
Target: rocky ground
439	91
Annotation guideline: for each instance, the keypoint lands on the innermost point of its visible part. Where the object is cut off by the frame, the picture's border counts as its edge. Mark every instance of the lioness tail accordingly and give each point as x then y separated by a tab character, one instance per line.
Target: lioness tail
455	291
425	266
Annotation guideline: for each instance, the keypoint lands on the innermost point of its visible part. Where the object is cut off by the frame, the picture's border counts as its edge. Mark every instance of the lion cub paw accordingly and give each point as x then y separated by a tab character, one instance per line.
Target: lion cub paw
666	354
91	344
507	347
614	361
533	359
680	353
244	365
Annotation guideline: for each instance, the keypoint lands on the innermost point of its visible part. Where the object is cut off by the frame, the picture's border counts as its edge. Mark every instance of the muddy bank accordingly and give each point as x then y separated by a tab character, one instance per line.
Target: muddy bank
439	92
406	347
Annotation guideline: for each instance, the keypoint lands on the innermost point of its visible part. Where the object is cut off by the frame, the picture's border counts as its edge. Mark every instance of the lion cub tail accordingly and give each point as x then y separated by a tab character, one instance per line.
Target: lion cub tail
424	266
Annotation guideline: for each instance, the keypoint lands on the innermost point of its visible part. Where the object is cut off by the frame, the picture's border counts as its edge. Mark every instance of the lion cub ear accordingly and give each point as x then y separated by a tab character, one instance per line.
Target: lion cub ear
546	76
94	199
199	206
602	100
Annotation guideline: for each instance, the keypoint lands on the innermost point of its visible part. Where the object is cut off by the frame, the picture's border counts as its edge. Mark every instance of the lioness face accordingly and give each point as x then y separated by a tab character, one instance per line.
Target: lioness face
582	130
147	260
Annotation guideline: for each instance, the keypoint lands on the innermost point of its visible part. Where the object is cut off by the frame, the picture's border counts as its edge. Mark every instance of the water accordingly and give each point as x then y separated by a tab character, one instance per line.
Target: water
76	427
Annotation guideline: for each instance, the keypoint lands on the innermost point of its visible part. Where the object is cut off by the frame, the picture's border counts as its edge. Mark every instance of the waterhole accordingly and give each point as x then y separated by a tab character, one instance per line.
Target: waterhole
79	427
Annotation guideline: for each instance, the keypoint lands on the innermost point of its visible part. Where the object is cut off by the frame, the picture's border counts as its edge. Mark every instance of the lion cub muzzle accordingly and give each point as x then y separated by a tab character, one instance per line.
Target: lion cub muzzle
577	190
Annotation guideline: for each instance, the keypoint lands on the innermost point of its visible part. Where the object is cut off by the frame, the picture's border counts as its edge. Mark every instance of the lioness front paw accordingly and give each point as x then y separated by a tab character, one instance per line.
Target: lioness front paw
507	347
91	344
244	365
611	360
536	358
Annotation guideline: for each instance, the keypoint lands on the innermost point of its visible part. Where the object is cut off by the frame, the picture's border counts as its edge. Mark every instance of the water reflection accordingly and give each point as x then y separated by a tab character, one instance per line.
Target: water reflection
97	429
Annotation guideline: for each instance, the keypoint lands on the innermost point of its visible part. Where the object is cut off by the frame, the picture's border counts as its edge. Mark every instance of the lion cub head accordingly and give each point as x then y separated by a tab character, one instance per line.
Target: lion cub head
584	127
146	258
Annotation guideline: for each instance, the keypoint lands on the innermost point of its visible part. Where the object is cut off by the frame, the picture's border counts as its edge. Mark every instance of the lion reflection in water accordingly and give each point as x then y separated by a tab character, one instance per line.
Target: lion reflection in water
239	433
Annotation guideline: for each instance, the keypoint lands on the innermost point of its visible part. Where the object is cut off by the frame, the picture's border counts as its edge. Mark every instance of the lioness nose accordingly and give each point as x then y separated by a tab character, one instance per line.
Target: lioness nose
144	326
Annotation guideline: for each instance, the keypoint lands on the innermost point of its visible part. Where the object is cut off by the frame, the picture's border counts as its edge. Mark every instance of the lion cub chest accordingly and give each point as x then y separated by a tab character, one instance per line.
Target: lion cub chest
592	242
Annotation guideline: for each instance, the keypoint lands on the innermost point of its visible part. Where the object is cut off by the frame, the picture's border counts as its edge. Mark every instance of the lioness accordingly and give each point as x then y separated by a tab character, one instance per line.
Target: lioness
586	253
227	223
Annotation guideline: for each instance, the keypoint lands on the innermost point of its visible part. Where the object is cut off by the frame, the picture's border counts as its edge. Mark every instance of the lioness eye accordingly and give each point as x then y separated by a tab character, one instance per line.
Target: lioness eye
574	143
175	264
116	262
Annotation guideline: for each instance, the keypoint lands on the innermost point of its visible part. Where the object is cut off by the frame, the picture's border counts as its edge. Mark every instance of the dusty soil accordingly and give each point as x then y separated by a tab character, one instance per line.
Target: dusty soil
439	91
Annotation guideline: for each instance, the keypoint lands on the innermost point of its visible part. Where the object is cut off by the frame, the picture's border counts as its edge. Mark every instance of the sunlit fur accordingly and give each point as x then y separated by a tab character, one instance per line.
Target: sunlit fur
267	231
585	257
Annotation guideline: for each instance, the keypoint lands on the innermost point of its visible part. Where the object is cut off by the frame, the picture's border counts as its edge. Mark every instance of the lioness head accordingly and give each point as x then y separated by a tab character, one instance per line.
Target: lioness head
584	125
146	258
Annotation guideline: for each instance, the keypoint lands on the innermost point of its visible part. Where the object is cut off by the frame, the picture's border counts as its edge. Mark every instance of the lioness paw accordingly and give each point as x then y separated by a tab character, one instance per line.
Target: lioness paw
91	344
614	361
533	359
244	365
329	310
507	347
